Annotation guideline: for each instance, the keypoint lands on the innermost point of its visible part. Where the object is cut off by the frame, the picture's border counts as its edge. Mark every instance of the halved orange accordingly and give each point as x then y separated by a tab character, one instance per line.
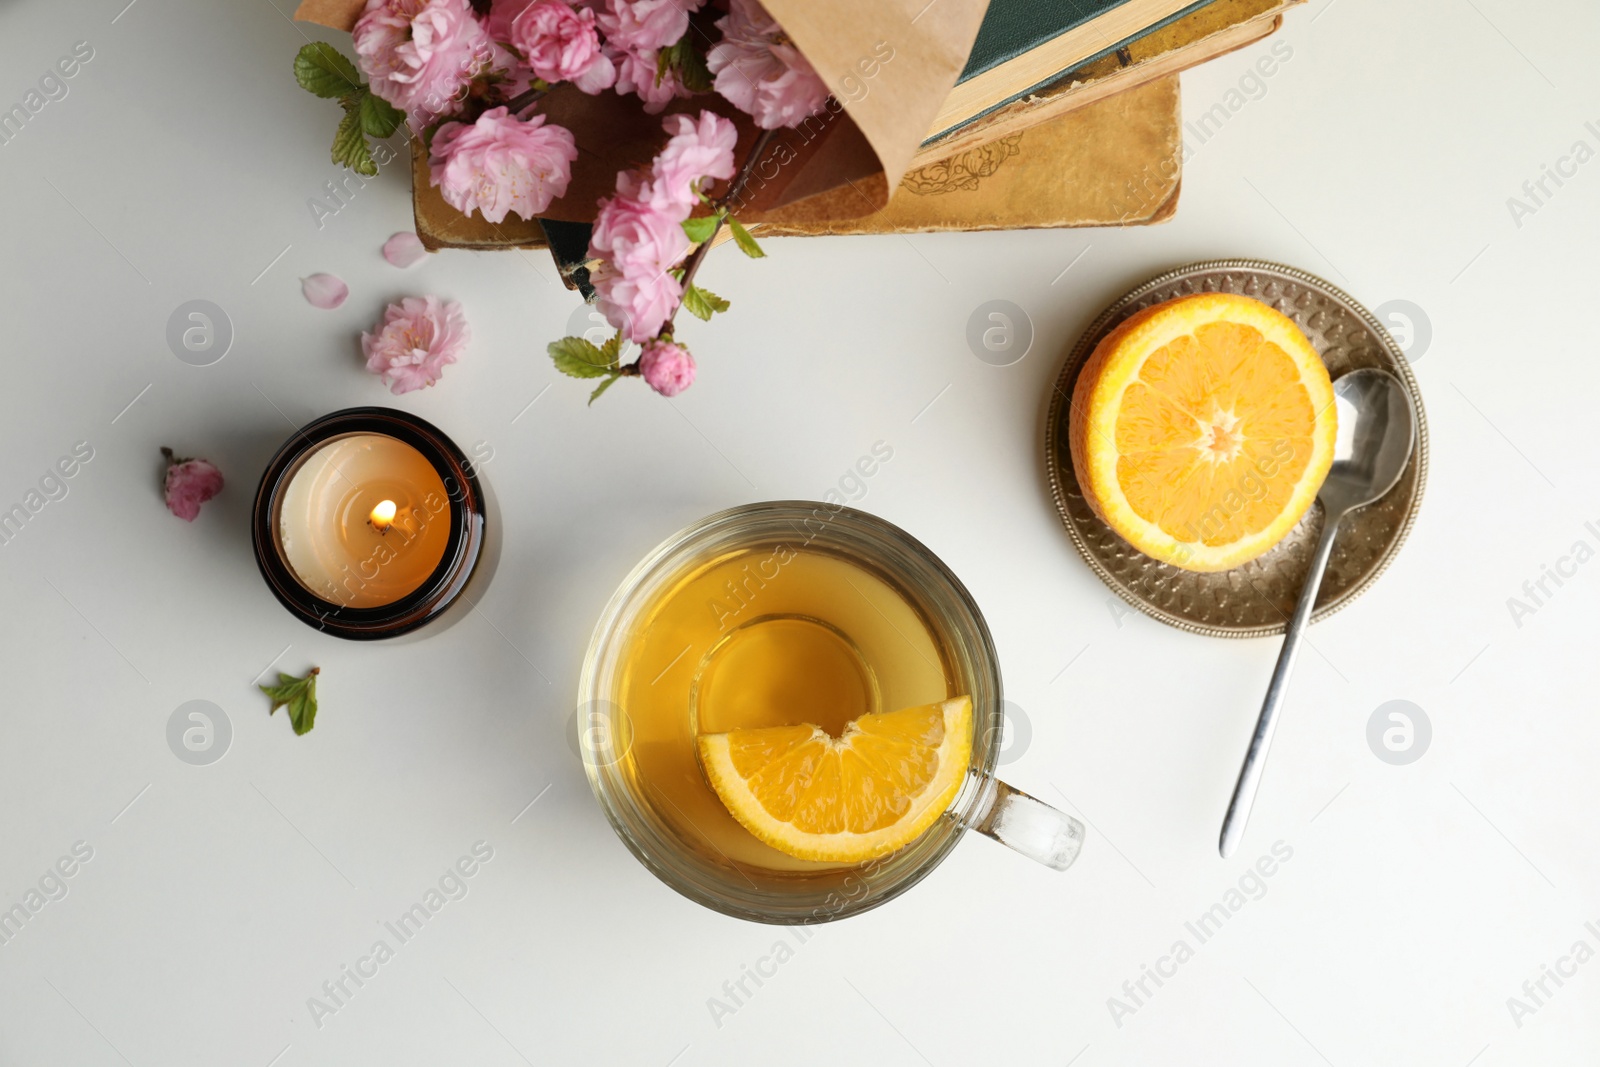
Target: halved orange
846	799
1202	428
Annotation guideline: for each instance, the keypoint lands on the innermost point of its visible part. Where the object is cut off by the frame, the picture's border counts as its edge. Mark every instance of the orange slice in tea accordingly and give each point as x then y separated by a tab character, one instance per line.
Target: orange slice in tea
846	799
1202	428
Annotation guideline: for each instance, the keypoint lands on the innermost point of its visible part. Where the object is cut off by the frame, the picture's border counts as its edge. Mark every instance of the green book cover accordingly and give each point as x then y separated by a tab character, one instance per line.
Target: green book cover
1012	28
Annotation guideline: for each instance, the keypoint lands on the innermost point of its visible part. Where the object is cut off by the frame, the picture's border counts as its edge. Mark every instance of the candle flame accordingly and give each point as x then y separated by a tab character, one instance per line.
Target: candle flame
383	515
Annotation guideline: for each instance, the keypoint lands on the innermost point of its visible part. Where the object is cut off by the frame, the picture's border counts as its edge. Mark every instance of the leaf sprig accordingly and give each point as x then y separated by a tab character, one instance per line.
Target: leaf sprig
299	695
323	72
579	357
703	228
702	303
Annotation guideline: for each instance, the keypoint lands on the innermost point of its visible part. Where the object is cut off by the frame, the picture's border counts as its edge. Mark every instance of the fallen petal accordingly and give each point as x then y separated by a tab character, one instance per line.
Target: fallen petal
404	250
324	291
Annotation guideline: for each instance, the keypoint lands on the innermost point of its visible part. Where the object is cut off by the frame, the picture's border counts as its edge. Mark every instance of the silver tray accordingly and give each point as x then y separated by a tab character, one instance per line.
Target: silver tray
1254	600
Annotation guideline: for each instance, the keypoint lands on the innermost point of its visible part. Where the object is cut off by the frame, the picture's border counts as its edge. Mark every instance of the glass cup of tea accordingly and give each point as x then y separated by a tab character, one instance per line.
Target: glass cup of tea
782	613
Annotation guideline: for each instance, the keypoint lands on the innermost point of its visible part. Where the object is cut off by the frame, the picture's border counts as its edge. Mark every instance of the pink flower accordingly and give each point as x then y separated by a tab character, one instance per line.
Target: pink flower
638	239
189	483
637	236
760	70
694	151
667	366
561	43
501	164
420	55
646	25
419	335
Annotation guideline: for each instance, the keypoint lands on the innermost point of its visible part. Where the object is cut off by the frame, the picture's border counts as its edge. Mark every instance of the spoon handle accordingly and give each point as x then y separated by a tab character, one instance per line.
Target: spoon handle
1244	792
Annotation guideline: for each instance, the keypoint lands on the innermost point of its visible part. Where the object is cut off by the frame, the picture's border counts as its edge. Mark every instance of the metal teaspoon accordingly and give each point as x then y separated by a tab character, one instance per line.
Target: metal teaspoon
1376	435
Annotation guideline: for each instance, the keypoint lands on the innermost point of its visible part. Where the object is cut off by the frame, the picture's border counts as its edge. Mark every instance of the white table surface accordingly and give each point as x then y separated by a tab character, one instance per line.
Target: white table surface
219	898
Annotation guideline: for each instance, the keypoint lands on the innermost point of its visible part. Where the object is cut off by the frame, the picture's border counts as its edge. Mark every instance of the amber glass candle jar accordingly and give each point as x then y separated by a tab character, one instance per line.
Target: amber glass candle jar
370	523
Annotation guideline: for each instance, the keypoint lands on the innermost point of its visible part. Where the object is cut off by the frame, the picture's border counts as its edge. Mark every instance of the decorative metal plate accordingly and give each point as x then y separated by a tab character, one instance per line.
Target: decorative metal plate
1256	599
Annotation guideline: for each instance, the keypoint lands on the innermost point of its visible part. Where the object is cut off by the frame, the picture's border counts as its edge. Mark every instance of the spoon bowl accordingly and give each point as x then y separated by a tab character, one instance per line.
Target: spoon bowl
1374	443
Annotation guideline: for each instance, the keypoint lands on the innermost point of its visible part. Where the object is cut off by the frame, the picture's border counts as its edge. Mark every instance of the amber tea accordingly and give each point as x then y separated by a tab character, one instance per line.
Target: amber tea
771	635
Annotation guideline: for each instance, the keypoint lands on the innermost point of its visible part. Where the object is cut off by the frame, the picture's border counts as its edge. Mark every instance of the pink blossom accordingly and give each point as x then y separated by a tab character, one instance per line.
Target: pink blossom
646	25
418	336
760	70
638	239
325	291
501	164
420	55
560	43
695	150
667	366
189	483
637	72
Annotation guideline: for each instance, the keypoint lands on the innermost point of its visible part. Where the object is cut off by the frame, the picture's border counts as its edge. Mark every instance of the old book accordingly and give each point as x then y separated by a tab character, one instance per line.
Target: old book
1220	27
1115	163
1201	35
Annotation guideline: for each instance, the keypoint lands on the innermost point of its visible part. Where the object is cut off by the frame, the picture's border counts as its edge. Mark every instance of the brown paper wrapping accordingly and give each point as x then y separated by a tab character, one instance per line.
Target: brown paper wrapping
868	145
894	106
335	14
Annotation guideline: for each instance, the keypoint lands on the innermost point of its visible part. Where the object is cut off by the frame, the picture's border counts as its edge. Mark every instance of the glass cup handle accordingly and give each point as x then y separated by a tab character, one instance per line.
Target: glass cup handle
1027	825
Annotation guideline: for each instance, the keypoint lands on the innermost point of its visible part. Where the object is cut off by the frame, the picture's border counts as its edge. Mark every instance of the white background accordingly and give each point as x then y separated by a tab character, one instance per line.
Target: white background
1417	900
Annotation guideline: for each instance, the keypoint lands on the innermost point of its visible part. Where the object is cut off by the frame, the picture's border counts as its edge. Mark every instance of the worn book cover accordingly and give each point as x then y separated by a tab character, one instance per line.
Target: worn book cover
1116	163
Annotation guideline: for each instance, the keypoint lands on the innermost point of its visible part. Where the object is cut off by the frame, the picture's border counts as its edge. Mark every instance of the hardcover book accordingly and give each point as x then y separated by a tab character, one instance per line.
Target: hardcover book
1117	162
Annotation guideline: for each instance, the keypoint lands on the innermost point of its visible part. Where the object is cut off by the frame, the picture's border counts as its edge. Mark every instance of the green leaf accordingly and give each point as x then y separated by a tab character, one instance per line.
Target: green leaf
702	303
715	302
688	63
602	387
350	144
321	70
579	358
700	229
746	243
379	118
612	349
299	695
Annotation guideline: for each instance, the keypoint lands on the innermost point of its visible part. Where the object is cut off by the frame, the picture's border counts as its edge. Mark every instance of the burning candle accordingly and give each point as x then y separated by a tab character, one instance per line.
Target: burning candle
338	511
382	516
369	523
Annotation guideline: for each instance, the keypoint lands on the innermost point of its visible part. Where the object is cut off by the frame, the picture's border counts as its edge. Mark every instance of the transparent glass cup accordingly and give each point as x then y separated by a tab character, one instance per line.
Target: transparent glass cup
675	845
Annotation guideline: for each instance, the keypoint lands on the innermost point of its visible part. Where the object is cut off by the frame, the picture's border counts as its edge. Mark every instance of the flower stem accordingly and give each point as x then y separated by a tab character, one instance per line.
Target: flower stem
692	264
521	100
